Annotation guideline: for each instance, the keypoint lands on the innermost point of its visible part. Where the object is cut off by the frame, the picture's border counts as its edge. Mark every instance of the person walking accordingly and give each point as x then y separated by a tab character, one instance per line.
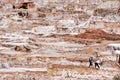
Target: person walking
90	61
97	64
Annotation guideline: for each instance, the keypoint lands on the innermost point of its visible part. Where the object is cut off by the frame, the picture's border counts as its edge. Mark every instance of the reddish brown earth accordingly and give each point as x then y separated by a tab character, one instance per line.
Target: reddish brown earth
98	34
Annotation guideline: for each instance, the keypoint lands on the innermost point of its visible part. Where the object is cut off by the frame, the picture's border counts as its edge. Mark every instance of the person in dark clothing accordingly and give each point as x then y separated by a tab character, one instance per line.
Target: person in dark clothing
119	59
90	61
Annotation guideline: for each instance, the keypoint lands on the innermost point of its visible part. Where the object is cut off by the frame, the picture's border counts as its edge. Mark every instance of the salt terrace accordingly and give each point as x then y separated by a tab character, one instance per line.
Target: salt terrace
53	39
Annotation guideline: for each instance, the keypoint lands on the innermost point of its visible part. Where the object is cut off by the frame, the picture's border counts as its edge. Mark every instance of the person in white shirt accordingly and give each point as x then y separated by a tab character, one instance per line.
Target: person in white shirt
97	64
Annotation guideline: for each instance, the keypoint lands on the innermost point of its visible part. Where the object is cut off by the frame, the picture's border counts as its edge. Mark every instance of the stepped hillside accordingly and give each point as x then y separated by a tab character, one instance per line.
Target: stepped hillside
53	39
